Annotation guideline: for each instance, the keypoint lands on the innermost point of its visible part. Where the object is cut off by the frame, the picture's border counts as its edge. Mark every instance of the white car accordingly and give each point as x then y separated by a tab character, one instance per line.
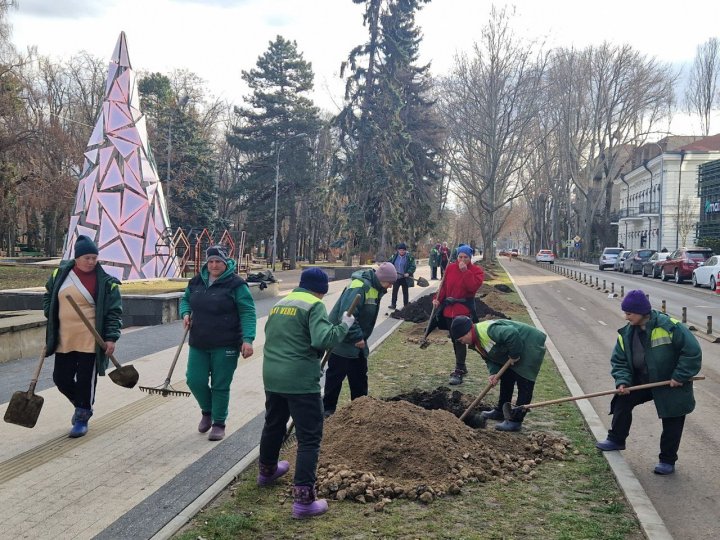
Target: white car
545	255
707	275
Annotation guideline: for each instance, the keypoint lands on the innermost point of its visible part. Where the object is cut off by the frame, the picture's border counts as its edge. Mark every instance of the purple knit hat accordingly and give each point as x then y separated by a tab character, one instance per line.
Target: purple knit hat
636	302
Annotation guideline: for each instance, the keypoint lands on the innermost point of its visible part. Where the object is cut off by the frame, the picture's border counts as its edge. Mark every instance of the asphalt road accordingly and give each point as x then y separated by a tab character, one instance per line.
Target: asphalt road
583	323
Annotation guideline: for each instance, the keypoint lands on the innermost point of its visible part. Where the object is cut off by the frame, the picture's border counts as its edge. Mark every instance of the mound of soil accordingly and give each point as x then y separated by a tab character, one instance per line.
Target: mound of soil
374	451
502	288
442	398
421	309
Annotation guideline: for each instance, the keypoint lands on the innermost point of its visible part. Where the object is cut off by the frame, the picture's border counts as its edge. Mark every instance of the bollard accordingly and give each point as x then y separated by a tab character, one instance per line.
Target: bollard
604	285
664	306
709	324
622	291
597	282
684	315
612	287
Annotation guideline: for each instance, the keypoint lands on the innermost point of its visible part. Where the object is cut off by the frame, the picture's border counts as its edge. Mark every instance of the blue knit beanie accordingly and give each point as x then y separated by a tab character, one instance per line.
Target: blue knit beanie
636	302
460	326
467	250
217	253
315	280
85	246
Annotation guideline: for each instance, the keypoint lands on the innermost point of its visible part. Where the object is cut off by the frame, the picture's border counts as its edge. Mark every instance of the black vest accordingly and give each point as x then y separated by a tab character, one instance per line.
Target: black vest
215	320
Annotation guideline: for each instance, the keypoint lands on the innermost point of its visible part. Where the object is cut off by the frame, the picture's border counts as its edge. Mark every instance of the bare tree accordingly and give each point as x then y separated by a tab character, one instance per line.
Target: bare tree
685	219
490	102
702	95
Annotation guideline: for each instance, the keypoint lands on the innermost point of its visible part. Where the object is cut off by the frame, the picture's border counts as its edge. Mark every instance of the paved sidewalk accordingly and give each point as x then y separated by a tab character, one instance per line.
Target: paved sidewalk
143	457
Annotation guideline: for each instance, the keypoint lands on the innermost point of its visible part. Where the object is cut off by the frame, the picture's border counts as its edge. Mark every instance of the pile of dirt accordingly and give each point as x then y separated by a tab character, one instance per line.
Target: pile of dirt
442	398
374	451
421	309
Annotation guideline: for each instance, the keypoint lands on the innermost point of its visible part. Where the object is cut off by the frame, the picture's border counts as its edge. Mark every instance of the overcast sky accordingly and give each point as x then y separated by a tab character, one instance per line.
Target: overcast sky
217	39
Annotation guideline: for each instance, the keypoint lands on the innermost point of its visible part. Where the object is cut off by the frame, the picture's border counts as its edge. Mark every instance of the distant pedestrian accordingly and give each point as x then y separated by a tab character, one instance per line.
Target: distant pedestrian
219	310
296	330
652	347
78	358
456	297
444	258
349	358
404	264
497	342
434	261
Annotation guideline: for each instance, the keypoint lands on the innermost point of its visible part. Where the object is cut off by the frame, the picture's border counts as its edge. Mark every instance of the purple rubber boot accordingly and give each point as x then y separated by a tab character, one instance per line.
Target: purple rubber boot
306	505
269	473
205	423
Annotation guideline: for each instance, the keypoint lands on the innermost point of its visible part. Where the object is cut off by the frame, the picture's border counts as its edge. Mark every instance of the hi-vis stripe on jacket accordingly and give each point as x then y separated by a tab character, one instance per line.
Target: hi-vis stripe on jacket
671	352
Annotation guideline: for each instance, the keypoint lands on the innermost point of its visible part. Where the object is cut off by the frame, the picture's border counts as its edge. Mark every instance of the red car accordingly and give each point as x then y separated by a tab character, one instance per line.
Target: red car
680	263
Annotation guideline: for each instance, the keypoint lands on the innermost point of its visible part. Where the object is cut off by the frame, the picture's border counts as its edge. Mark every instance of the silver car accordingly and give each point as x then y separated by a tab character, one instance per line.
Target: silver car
608	257
618	264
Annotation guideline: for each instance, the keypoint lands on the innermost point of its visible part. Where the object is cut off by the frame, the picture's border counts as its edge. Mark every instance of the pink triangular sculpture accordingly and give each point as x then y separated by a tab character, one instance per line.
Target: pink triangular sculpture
118	140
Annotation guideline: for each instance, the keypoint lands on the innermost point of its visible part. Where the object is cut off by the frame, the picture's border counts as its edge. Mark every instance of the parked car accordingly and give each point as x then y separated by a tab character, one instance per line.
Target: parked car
653	265
634	261
617	266
514	253
545	255
608	257
708	274
681	263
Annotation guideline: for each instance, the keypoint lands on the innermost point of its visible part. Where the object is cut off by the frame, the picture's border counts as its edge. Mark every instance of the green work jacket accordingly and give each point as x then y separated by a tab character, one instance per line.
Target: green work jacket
497	341
671	352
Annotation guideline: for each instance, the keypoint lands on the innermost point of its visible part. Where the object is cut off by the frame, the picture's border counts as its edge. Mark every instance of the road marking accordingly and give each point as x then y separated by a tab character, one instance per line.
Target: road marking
583	309
603	323
569	298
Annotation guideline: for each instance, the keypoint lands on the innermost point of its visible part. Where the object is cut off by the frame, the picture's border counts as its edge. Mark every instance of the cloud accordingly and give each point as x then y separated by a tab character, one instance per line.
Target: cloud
66	9
217	3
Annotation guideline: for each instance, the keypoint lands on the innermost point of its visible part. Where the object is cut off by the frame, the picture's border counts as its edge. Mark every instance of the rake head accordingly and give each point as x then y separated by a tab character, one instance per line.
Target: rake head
164	391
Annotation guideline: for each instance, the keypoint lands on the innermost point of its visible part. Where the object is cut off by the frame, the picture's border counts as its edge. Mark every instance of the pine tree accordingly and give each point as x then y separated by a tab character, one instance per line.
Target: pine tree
276	131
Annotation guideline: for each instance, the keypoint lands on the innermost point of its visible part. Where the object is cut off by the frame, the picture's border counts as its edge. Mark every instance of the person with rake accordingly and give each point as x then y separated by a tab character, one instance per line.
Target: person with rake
456	297
219	310
500	341
350	357
297	331
652	347
78	358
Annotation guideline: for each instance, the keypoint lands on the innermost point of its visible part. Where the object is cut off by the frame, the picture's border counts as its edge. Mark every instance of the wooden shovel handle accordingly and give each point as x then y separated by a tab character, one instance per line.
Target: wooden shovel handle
91	328
36	375
177	355
432	313
478	399
605	393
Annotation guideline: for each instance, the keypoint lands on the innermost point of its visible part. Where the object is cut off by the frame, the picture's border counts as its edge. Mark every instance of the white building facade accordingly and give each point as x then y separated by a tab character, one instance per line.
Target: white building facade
659	202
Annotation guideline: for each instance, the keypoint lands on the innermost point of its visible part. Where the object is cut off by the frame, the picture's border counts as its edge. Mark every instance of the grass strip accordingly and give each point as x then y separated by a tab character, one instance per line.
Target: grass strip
574	499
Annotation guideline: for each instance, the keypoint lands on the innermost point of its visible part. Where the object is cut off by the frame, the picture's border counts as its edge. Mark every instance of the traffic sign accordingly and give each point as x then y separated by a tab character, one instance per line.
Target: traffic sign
577	239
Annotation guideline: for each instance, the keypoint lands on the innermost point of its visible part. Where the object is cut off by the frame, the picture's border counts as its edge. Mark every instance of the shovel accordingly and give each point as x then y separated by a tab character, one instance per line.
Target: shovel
420	282
125	376
507	408
424	343
289	435
165	389
476	420
24	407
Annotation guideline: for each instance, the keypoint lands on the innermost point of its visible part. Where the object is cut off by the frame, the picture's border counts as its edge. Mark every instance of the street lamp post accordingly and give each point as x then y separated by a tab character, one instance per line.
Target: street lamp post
277	186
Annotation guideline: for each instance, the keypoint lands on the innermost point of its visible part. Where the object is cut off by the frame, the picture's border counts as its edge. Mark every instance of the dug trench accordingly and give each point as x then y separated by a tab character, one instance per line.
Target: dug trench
413	445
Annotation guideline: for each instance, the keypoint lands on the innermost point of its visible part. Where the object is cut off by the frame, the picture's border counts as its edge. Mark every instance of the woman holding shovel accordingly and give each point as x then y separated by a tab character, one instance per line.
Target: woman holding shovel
219	310
456	297
652	347
497	342
78	359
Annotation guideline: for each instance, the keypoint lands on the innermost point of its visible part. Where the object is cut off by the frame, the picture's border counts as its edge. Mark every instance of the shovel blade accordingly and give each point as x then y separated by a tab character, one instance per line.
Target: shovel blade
125	376
24	409
475	420
422	282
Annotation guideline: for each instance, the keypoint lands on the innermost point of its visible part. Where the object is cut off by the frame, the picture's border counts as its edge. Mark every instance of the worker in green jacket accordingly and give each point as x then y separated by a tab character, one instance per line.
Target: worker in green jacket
296	334
652	347
350	357
497	341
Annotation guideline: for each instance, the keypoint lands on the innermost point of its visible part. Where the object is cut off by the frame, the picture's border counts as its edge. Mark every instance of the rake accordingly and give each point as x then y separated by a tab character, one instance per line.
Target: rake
290	435
166	389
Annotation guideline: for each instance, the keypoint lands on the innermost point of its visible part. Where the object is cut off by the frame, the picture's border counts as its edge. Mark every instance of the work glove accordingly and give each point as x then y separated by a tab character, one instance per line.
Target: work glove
347	320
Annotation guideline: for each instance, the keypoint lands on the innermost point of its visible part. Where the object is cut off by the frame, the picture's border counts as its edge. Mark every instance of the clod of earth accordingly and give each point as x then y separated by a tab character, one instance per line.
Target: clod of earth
420	310
374	451
502	288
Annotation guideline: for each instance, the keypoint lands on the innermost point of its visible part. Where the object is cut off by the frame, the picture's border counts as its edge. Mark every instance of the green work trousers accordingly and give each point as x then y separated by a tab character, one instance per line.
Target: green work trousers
209	374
